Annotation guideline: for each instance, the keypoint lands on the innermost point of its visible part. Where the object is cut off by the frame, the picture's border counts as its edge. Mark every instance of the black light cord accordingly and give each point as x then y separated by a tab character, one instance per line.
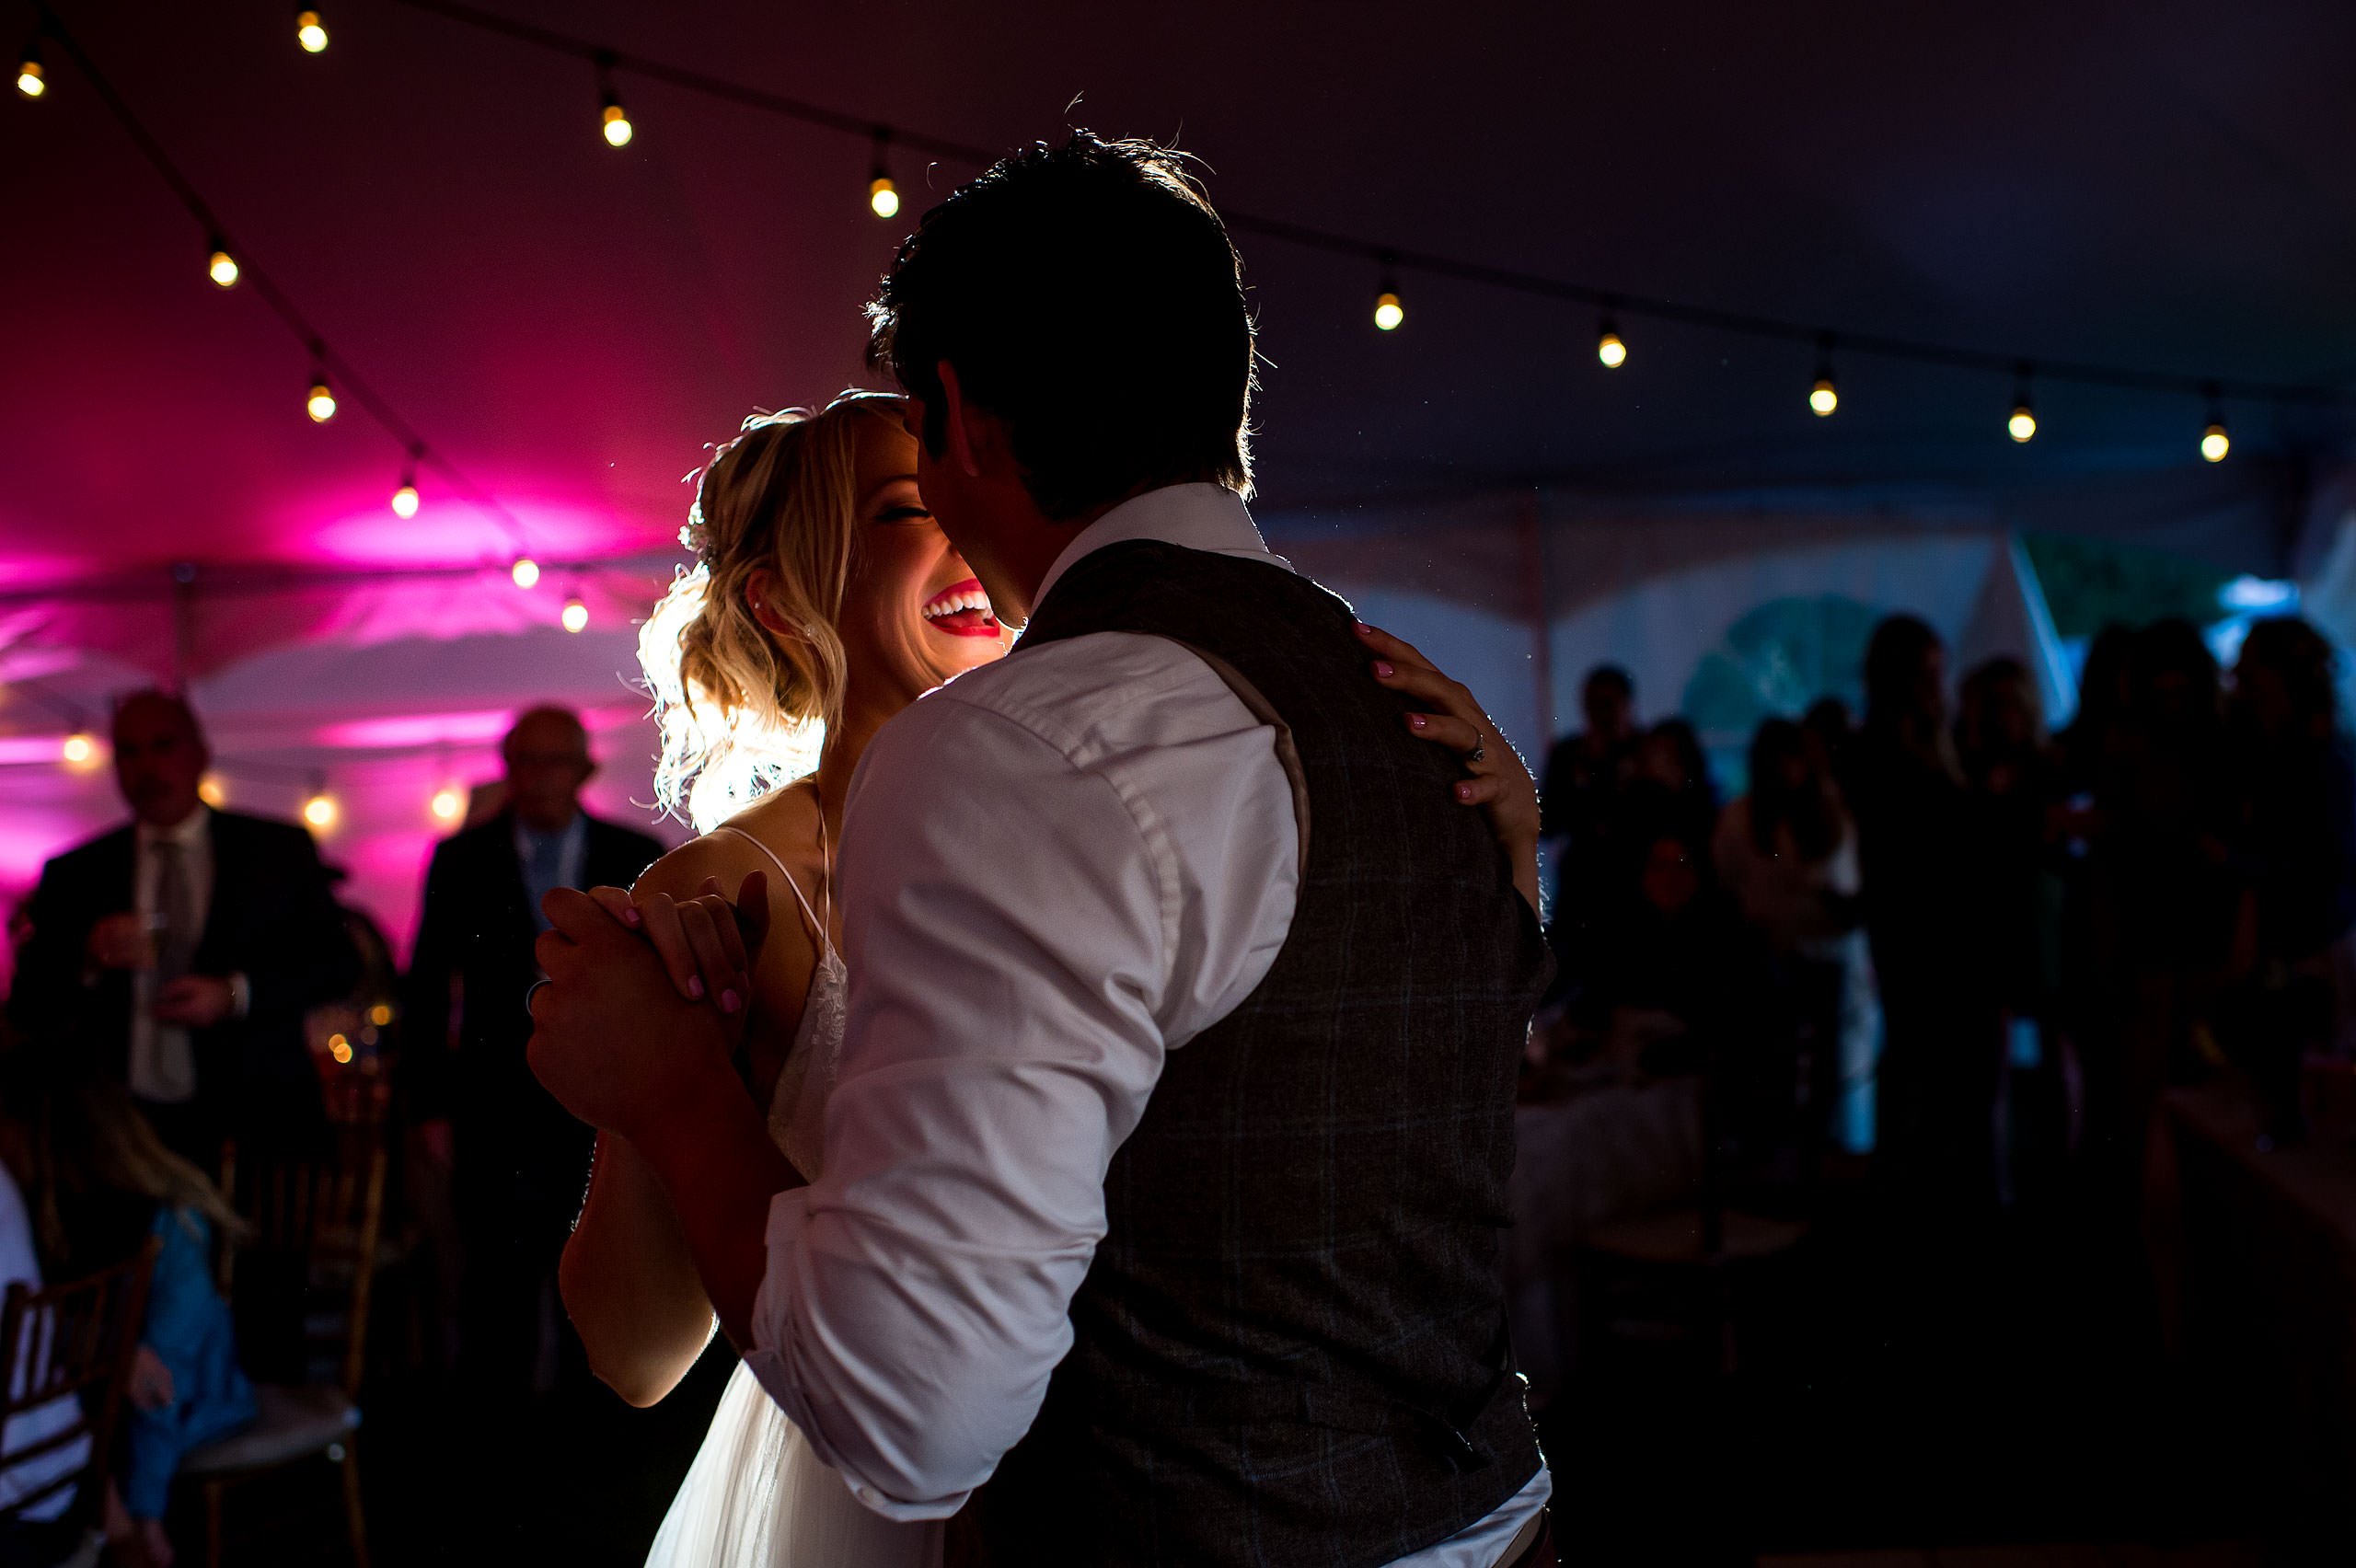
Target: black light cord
250	270
1431	263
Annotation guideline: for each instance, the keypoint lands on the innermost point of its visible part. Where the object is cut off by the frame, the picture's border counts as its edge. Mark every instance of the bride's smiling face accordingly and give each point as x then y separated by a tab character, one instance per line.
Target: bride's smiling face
913	615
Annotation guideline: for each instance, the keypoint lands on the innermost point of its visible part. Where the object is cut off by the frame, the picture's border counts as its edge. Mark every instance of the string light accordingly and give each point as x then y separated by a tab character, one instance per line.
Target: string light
320	403
1609	348
612	119
525	571
2022	423
1388	312
310	32
31	80
883	196
79	750
405	498
319	808
2215	441
446	804
210	790
1824	397
576	614
222	267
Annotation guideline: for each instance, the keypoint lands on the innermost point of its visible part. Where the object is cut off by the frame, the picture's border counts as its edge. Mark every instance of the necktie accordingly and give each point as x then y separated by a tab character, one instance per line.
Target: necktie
175	912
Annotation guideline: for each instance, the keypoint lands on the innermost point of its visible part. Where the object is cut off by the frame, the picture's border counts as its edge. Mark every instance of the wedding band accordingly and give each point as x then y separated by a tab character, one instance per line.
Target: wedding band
530	991
1480	749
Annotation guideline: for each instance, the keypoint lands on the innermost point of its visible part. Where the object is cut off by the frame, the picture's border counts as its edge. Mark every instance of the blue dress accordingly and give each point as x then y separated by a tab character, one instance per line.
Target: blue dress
189	1327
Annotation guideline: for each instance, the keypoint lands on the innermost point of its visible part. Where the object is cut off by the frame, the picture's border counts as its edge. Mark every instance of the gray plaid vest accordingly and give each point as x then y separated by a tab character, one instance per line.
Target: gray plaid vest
1290	1346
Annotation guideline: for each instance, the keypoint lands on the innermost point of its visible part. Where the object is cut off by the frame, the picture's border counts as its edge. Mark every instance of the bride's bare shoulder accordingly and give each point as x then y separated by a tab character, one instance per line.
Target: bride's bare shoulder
785	822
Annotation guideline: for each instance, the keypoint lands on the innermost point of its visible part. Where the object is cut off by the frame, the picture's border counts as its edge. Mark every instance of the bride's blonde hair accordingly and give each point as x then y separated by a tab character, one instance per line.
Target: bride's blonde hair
741	709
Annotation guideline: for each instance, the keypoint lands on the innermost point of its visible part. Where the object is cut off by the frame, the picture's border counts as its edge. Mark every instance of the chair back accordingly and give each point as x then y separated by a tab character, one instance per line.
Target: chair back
318	1216
72	1340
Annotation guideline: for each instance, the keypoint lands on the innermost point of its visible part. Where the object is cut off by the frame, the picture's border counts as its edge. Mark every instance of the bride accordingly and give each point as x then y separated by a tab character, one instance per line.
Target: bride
825	599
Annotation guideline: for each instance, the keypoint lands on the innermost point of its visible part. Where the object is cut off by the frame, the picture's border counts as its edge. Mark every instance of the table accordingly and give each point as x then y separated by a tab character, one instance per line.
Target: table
1609	1153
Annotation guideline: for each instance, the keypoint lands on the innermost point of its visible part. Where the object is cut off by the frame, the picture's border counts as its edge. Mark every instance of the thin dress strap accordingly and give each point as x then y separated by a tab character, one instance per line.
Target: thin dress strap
825	942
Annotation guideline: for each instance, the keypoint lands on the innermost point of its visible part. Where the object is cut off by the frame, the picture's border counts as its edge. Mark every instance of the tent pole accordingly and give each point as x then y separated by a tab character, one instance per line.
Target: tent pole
1532	530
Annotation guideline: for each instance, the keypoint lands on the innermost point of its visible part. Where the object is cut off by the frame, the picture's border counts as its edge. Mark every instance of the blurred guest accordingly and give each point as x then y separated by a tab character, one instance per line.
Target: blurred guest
1662	993
2300	780
2299	846
50	1529
2011	785
1829	729
1580	799
1787	854
2167	854
519	1163
97	1184
1937	1083
1672	791
183	950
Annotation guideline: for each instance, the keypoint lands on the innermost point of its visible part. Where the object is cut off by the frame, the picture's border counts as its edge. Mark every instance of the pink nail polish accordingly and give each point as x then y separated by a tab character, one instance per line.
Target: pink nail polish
630	916
1364	629
1382	667
695	984
1464	792
1418	720
728	1001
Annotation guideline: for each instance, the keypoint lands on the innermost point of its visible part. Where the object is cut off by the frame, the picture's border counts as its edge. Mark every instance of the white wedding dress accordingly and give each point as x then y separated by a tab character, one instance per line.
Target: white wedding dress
757	1495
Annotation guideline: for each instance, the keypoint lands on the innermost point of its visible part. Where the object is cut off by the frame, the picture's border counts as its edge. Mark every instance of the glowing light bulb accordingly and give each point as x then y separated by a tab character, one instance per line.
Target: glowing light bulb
320	404
209	790
1388	312
448	804
31	80
405	500
2022	425
310	32
380	1015
617	124
525	571
319	811
1823	396
340	1048
1610	350
576	614
79	750
222	267
2216	442
883	197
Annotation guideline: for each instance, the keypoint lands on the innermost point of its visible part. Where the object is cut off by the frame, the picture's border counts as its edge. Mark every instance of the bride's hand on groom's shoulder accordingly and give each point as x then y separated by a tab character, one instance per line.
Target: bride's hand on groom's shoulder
1496	780
614	1039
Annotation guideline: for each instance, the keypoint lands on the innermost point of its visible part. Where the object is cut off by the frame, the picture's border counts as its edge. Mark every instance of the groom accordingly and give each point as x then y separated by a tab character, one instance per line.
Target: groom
1167	1158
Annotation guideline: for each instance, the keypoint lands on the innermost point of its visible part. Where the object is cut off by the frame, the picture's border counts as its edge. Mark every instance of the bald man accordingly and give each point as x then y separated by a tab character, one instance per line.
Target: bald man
184	949
519	1163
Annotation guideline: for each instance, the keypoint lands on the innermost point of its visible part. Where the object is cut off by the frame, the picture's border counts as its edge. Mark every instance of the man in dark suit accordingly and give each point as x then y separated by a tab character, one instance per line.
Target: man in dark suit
520	1163
185	948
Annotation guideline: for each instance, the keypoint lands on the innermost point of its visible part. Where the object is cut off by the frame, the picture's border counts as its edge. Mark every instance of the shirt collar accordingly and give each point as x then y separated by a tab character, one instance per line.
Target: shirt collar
1196	516
186	832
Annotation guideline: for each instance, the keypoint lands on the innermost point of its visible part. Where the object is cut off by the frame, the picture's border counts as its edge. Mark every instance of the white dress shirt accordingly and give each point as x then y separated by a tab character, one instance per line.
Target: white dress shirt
162	1061
1054	869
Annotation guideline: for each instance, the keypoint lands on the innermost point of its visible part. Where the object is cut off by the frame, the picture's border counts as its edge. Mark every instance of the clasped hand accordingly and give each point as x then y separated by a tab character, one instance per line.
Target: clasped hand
646	998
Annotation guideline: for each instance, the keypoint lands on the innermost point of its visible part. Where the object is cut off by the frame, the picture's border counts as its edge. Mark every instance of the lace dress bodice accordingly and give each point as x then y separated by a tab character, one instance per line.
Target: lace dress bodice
797	1110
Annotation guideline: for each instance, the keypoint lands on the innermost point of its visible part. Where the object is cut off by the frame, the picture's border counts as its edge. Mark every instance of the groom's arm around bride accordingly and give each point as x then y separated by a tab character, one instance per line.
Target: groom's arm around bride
1166	1162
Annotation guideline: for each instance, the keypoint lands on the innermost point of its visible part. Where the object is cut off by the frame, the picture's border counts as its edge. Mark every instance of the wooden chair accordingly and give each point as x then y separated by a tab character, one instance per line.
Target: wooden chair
72	1341
322	1216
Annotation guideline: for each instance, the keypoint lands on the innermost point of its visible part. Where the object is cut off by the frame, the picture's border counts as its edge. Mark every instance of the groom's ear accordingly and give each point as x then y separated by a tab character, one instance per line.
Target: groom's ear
969	431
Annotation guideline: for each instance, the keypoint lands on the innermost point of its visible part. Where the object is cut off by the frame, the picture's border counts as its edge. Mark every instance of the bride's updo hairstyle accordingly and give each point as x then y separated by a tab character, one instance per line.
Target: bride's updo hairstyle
743	709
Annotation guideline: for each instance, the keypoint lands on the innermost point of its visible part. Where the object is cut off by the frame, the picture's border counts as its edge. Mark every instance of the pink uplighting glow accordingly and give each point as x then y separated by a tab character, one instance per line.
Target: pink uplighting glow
475	728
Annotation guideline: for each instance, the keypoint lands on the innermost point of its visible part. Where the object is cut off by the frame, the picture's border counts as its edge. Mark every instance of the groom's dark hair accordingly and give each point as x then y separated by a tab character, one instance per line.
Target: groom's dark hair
1088	296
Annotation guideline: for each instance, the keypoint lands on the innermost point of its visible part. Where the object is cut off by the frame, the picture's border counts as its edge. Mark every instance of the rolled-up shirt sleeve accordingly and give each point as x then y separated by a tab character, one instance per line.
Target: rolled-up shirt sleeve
1028	932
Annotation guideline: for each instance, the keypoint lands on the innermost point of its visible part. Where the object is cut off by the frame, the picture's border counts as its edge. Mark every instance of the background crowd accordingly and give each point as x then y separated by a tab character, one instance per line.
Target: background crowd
1932	945
2005	942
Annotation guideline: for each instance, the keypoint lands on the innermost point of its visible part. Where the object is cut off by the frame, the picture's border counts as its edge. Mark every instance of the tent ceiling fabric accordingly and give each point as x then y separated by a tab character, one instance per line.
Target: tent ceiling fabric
573	326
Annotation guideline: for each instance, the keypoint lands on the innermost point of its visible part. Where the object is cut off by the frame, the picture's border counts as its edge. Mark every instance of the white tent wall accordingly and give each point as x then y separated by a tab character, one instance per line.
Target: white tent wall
1726	618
